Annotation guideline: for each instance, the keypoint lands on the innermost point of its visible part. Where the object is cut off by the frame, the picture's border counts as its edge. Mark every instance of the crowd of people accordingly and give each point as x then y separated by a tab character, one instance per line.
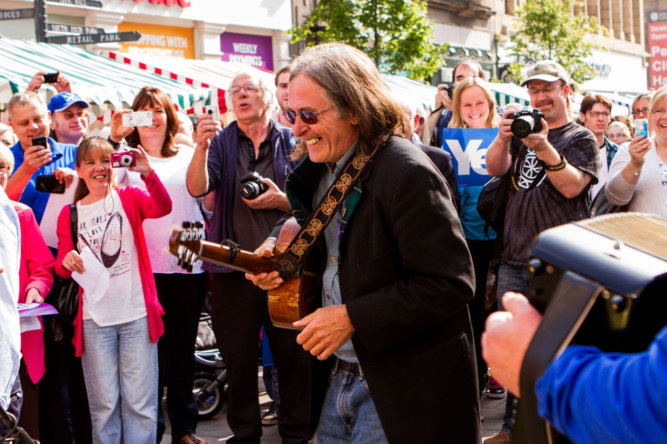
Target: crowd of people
405	271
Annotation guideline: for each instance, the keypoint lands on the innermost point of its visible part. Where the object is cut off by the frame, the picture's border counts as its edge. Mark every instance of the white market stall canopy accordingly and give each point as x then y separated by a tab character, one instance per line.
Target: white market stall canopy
420	93
215	75
95	78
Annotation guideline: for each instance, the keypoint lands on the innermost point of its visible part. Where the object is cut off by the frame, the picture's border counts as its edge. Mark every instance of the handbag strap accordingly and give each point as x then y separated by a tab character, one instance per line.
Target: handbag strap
313	228
73	224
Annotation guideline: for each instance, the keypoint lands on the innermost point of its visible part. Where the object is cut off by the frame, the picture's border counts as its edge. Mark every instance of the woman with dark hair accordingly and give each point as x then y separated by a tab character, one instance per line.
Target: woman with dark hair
119	317
181	293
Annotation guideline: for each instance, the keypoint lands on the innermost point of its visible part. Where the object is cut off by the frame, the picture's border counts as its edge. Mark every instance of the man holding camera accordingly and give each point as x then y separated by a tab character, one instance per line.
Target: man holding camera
550	172
224	162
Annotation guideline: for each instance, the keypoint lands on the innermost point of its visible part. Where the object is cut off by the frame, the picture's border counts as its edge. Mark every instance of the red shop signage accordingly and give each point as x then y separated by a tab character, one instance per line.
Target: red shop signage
657	47
181	3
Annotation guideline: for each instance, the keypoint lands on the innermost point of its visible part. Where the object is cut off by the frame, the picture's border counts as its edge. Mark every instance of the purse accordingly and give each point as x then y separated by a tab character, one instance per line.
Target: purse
67	303
492	201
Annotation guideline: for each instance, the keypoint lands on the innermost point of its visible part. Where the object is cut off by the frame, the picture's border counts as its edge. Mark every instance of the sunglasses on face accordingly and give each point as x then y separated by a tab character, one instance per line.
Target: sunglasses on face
307	117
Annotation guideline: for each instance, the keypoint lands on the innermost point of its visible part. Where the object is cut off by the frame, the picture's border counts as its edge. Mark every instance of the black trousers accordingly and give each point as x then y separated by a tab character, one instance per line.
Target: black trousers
481	252
63	402
29	420
181	297
238	309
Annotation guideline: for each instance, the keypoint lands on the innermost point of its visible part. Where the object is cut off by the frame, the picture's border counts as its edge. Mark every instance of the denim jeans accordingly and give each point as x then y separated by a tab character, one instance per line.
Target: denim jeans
348	413
121	372
516	279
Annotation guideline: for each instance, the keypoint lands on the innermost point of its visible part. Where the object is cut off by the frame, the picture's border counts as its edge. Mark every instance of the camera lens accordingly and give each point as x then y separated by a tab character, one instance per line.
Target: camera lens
522	126
126	160
250	190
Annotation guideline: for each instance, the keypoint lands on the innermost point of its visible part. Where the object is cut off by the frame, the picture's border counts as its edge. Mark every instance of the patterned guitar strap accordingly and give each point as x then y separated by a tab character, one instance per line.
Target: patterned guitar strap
289	262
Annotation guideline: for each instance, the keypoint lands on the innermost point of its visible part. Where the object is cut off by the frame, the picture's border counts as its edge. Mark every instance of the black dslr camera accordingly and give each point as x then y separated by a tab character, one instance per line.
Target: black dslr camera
526	121
252	186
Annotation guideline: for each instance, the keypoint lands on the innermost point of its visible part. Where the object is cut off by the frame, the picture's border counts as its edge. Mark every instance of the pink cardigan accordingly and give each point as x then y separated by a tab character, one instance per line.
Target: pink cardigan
36	271
138	205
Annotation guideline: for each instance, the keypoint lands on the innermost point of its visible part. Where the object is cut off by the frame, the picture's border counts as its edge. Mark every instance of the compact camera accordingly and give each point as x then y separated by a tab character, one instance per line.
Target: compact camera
214	112
526	121
252	186
123	159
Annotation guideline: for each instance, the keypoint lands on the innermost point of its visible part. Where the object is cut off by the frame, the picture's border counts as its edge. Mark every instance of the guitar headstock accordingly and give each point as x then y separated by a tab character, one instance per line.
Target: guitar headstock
184	243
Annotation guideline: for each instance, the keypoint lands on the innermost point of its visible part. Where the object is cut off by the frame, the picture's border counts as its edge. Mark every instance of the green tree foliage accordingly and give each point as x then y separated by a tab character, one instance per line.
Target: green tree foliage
394	33
548	29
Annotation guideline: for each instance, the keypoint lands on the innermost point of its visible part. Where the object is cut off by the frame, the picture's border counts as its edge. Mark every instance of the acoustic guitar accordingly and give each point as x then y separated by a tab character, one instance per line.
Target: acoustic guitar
287	303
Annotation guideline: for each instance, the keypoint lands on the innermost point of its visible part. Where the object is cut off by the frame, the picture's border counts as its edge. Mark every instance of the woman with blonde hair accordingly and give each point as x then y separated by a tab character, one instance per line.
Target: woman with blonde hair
475	107
638	174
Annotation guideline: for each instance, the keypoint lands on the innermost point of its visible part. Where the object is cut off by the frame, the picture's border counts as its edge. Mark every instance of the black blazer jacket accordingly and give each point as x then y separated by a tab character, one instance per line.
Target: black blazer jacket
406	277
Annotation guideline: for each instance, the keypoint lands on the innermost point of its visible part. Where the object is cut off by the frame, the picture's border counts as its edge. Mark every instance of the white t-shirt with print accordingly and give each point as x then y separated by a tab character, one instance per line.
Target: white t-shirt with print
172	172
105	229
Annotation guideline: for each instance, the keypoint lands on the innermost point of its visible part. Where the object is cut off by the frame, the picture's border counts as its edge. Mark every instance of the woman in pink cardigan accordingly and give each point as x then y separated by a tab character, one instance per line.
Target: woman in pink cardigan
35	281
119	318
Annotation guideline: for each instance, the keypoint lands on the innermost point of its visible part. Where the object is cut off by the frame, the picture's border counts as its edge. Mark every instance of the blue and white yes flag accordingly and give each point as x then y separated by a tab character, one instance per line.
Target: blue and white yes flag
468	149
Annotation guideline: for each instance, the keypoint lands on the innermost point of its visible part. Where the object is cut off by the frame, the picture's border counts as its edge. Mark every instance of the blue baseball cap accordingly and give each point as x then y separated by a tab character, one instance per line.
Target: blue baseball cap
64	100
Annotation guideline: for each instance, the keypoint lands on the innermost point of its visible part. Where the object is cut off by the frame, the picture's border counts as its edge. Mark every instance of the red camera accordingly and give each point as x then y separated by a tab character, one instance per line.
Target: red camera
123	159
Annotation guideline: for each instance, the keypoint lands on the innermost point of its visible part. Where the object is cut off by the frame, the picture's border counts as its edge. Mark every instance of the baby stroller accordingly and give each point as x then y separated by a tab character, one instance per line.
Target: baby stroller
210	384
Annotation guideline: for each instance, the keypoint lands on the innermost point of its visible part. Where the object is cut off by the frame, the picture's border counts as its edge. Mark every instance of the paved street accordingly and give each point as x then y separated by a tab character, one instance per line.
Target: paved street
216	430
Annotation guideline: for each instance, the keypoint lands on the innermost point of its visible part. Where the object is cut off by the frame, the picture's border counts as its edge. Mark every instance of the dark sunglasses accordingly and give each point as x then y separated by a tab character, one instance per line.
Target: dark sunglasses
308	117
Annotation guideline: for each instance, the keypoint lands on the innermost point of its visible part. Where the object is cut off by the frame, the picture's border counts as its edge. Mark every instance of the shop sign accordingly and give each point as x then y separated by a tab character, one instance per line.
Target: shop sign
160	41
181	3
249	49
657	48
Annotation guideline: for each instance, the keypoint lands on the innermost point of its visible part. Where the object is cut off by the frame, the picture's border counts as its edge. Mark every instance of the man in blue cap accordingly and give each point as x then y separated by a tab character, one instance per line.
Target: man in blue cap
69	118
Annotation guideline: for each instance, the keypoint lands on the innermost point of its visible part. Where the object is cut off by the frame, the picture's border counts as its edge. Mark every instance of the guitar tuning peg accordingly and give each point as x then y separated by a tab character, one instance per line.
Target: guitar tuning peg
198	225
186	224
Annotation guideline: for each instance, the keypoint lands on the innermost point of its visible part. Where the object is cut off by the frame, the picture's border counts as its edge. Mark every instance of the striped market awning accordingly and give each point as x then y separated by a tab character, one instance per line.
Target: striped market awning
95	78
215	75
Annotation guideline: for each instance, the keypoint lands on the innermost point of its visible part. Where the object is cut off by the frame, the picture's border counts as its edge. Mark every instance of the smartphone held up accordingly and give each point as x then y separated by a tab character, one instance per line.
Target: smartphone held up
138	118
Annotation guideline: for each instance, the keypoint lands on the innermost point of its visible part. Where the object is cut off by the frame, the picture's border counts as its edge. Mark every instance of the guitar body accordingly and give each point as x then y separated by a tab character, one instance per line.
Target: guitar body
287	303
293	299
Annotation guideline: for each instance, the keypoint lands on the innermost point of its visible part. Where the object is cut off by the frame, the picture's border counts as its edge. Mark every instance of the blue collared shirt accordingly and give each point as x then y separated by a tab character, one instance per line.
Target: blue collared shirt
63	156
331	294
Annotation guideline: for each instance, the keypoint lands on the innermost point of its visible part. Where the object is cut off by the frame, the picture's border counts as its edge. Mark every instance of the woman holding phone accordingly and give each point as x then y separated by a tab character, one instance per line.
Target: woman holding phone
638	173
119	317
180	292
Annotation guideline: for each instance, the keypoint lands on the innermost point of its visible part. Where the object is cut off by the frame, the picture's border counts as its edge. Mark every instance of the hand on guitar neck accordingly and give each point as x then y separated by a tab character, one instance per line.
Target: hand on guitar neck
266	281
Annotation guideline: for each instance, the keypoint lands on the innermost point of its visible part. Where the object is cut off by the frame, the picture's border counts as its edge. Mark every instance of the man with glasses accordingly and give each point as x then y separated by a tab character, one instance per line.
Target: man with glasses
393	330
595	113
221	163
551	173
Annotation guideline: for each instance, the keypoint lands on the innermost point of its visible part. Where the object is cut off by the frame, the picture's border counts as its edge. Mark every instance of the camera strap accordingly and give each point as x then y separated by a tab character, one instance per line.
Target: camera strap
313	228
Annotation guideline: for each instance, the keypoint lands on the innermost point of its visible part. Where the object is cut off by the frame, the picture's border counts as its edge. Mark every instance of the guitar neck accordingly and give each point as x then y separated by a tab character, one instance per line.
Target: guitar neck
245	261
